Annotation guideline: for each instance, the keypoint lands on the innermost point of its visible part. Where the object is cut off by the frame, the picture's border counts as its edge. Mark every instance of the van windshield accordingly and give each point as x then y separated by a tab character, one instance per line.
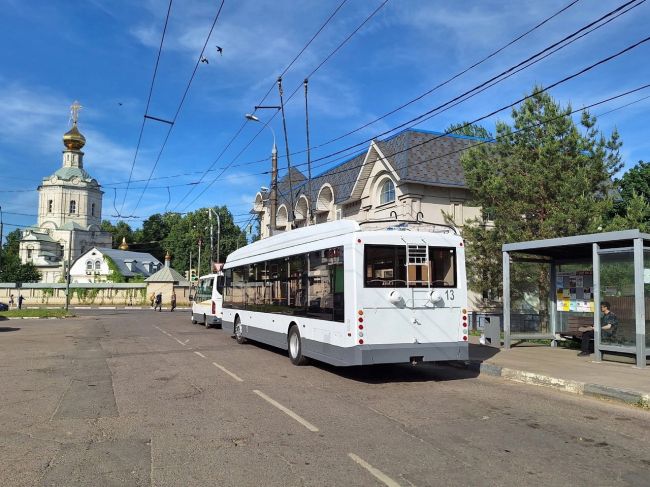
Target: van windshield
386	266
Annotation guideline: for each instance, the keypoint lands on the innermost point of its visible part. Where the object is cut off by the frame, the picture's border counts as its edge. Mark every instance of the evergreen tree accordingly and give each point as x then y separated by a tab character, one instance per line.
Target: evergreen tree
543	177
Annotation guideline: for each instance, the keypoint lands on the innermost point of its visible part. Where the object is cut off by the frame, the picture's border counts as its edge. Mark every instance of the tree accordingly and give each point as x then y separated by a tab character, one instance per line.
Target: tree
471	130
544	177
12	269
121	230
631	209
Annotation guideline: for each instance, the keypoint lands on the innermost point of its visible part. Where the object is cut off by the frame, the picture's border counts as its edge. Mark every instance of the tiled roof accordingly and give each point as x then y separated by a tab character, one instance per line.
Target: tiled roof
416	155
139	258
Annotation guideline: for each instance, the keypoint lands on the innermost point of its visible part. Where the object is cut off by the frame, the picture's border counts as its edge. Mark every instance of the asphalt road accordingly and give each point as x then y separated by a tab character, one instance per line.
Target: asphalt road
146	398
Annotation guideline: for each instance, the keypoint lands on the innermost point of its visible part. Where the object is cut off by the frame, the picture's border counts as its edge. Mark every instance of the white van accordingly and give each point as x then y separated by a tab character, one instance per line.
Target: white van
207	300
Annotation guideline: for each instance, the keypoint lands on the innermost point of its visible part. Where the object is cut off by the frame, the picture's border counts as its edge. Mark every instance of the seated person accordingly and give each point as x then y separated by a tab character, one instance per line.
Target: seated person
608	324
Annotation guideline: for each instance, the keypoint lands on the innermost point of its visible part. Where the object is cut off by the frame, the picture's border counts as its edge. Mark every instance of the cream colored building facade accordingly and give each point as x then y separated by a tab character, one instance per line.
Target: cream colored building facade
69	213
413	175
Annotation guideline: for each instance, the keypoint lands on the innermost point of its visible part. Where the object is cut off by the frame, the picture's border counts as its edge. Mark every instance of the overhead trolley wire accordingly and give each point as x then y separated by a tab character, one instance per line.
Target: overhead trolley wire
336	49
180	105
146	110
268	92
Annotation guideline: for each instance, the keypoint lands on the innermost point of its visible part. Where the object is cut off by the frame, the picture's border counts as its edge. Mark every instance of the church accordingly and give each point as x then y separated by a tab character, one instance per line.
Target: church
69	212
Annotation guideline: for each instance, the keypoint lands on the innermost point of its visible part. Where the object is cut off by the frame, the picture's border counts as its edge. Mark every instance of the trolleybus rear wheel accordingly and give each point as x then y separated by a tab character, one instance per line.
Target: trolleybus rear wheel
239	331
295	347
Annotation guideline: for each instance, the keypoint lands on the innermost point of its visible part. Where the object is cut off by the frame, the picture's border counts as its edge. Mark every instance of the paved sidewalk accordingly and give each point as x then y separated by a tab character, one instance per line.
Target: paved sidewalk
561	368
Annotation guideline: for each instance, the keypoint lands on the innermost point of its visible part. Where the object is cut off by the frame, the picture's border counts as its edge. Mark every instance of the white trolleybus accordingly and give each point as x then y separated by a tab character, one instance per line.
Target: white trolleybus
347	294
207	300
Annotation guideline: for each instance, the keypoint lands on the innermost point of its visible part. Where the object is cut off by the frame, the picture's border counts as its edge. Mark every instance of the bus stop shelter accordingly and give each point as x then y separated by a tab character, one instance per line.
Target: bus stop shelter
552	287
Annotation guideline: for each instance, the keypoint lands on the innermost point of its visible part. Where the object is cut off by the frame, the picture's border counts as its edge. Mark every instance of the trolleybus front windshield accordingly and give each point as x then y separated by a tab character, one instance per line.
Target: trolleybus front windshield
387	266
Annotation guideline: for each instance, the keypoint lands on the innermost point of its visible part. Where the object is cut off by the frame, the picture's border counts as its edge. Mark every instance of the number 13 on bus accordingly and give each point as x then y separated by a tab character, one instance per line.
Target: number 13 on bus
347	294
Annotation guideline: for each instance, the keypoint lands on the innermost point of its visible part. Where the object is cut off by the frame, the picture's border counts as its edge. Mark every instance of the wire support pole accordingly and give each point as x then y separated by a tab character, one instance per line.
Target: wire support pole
310	199
286	145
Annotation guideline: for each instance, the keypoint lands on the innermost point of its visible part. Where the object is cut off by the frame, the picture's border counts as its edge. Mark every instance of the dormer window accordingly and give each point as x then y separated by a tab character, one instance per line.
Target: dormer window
50	206
387	192
73	207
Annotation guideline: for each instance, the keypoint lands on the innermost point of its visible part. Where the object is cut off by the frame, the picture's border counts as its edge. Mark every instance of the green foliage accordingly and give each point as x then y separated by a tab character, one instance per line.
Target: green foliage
471	130
544	177
11	269
180	234
632	209
114	275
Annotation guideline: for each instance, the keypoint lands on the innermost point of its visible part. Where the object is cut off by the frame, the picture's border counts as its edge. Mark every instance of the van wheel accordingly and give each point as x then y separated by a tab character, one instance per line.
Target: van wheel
194	322
295	347
205	321
239	331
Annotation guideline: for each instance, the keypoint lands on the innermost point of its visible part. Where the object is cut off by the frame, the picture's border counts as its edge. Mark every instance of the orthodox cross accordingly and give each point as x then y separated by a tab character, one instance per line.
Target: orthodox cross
74	112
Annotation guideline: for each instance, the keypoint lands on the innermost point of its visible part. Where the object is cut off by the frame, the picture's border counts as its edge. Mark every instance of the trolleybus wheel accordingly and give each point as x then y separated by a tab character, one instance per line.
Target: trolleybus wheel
295	347
239	331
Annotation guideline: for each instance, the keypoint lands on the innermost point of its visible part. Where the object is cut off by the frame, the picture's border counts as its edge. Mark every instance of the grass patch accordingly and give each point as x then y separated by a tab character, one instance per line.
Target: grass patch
36	313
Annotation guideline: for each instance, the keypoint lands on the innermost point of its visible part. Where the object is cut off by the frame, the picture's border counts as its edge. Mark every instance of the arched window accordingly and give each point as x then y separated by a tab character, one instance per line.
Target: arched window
50	206
387	192
73	207
92	209
89	265
98	265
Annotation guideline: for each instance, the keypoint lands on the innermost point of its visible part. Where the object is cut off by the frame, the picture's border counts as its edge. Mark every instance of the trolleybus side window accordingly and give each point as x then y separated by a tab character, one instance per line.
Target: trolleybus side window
309	284
385	266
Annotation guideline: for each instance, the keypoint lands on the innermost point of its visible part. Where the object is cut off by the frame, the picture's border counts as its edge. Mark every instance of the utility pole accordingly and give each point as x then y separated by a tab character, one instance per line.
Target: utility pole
67	278
211	240
286	145
274	188
216	214
310	221
218	235
198	270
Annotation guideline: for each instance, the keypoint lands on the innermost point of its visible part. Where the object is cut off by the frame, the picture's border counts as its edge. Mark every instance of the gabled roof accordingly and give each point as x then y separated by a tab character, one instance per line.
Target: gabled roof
167	274
121	257
421	156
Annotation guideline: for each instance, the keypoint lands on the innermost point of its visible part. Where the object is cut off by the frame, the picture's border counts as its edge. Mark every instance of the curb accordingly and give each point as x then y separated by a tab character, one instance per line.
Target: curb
35	318
582	388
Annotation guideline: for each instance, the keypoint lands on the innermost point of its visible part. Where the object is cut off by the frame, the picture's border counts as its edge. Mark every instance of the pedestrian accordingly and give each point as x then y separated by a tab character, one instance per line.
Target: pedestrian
20	301
158	305
152	298
11	301
608	325
173	301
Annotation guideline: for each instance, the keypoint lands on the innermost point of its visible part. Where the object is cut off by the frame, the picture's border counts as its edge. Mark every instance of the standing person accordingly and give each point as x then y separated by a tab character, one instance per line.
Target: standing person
173	301
20	301
158	305
152	298
608	325
11	301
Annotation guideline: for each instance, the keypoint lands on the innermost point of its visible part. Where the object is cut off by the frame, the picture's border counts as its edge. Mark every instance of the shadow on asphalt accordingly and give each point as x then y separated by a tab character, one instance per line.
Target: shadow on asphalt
387	373
8	328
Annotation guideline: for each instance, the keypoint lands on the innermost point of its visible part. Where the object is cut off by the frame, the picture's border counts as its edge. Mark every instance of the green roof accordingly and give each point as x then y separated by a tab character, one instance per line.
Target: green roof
67	173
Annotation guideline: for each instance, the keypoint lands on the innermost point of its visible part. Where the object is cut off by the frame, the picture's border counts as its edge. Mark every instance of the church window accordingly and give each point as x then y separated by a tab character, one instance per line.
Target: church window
387	192
50	206
92	209
29	253
98	265
89	265
73	206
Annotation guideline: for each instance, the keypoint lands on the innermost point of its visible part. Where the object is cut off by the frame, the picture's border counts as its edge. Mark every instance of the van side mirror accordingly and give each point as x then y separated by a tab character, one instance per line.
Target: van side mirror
191	297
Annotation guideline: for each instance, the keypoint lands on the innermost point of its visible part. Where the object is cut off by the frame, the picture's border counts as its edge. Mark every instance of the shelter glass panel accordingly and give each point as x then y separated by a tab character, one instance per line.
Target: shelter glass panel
530	286
617	289
574	297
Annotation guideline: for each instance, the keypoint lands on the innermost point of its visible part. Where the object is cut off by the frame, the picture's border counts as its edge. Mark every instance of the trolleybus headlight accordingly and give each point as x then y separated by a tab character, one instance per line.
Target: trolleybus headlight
395	298
435	296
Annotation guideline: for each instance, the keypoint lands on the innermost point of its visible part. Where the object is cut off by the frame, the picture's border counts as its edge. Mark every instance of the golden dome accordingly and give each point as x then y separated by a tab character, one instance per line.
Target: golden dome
73	139
123	245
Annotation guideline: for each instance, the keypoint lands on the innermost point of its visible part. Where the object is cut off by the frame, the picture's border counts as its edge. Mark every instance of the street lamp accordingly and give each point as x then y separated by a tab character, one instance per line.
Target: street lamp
274	171
210	212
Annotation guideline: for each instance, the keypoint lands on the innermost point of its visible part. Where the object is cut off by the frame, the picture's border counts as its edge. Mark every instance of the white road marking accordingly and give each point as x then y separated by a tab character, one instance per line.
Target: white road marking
199	354
234	376
107	307
378	474
178	341
185	342
287	411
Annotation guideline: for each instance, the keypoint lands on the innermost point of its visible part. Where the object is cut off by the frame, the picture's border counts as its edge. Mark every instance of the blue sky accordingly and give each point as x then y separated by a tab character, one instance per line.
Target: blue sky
102	53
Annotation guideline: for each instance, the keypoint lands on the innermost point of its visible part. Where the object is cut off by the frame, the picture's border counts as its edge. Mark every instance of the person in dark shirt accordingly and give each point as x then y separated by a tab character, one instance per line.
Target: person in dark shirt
608	324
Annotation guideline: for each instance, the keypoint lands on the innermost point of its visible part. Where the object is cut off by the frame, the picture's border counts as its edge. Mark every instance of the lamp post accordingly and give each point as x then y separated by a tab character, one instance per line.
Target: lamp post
274	172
